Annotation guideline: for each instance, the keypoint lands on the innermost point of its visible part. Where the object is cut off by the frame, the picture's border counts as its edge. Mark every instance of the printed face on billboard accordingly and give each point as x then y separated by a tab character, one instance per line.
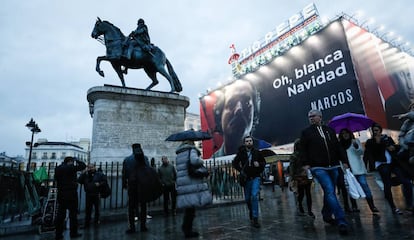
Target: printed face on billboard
316	74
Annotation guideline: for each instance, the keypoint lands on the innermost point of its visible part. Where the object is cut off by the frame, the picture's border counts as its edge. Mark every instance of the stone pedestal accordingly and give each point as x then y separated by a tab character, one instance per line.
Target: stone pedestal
123	116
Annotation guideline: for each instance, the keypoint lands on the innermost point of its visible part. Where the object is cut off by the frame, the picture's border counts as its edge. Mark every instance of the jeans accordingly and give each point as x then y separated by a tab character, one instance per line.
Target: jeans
251	195
385	171
327	178
362	179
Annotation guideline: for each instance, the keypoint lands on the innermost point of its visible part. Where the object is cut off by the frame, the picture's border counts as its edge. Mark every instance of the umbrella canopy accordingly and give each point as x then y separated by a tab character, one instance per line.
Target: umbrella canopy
352	121
189	135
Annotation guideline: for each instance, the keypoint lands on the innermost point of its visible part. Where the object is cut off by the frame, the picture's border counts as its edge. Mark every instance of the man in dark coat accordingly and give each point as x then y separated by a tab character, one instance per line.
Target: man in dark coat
322	154
130	181
67	195
92	181
250	162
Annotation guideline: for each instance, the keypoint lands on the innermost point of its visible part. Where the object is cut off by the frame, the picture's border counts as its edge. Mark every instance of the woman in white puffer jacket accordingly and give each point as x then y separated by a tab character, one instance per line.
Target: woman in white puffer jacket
191	192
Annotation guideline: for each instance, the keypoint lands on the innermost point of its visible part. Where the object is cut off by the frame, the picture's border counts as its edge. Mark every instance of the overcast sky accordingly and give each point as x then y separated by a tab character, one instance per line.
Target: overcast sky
47	57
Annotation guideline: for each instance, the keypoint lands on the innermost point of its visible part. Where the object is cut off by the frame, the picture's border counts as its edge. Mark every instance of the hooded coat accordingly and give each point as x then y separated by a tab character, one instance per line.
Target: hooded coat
191	192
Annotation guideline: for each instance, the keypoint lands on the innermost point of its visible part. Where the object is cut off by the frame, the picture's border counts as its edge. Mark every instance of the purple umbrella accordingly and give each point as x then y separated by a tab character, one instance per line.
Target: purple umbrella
352	121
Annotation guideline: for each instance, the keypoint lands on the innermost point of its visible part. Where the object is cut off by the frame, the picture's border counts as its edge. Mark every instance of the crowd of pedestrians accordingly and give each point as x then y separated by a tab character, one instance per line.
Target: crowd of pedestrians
320	155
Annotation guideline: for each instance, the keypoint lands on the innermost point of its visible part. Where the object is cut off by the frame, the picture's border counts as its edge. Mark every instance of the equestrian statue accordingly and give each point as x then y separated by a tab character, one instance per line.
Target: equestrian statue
135	51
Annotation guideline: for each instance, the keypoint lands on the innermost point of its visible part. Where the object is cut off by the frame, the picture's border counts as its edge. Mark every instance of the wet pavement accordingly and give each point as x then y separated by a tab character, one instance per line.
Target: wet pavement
278	219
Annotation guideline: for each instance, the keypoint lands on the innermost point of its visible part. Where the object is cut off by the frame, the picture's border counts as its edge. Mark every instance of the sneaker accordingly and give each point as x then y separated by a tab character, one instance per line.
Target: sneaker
343	229
149	217
330	221
310	214
397	211
374	210
130	231
256	223
191	234
76	235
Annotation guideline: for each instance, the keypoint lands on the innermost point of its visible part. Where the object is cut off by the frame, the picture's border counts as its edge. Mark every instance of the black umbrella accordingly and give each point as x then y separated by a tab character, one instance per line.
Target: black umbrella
189	135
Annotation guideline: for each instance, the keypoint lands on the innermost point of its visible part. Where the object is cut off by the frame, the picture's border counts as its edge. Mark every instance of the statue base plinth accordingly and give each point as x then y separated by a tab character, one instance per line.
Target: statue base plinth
123	116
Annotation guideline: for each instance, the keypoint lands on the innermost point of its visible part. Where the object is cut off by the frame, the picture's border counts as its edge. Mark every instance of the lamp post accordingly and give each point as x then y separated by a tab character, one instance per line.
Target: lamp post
32	126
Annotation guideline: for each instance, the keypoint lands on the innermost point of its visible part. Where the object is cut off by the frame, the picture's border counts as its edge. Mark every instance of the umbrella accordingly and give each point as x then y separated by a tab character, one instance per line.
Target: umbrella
352	121
189	135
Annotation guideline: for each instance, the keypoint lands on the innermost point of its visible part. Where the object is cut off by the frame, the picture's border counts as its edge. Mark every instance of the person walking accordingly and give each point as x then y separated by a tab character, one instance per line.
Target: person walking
130	181
168	177
250	161
343	191
67	195
379	152
191	192
92	181
300	182
355	152
322	154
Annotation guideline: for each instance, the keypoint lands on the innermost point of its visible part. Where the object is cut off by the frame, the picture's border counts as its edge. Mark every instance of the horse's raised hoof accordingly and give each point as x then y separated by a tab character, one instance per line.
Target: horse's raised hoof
101	73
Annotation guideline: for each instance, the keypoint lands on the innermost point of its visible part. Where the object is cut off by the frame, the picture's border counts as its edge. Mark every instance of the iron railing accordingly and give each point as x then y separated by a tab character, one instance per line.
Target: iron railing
16	204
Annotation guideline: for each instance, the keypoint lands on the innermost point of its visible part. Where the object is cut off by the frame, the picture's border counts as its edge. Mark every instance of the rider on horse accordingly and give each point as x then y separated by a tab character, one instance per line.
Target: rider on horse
138	37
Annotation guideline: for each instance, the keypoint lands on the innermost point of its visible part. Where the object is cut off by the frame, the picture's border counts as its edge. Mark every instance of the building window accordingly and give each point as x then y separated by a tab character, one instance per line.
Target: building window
63	155
34	155
44	155
53	155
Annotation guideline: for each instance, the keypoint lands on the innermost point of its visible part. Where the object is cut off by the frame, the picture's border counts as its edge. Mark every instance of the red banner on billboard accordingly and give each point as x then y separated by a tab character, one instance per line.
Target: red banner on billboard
384	73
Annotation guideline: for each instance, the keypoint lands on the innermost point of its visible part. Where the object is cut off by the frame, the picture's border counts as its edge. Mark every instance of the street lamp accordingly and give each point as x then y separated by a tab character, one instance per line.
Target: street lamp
32	126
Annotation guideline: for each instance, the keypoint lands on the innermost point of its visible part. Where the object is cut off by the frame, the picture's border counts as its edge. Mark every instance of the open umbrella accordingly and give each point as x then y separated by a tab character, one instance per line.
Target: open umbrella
352	121
189	135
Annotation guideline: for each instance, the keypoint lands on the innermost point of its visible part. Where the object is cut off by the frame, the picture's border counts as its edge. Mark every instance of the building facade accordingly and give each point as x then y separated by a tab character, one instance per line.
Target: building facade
45	152
192	121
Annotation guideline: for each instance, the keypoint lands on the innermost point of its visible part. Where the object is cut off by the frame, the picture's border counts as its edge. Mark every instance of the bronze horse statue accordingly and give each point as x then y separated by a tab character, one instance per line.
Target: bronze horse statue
152	62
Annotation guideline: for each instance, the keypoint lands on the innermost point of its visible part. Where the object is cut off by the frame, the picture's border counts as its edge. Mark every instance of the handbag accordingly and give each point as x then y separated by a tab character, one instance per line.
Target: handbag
197	170
354	188
242	177
104	190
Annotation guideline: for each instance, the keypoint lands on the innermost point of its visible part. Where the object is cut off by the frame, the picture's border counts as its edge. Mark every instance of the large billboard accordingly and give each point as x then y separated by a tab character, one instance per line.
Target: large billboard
272	103
385	75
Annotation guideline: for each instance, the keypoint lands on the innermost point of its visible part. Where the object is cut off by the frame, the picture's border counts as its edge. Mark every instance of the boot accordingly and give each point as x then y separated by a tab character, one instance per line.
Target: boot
249	206
371	205
143	218
187	227
354	206
256	223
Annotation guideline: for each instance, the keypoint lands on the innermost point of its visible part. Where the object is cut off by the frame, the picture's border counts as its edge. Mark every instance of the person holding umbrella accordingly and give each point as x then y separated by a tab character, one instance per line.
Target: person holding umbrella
354	151
191	192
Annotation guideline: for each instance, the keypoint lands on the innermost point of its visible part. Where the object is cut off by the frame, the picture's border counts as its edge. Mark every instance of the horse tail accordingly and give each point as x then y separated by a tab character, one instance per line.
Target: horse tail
176	81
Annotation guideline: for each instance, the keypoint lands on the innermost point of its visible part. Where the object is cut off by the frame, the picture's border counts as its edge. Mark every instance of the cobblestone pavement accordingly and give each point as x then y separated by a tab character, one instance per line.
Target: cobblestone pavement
278	219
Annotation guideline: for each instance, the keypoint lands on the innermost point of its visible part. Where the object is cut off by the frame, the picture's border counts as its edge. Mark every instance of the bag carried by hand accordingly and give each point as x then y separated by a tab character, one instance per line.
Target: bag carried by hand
104	190
354	188
197	170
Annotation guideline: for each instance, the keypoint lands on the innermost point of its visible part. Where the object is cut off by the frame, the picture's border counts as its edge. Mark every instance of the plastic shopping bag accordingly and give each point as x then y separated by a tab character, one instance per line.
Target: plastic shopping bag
354	188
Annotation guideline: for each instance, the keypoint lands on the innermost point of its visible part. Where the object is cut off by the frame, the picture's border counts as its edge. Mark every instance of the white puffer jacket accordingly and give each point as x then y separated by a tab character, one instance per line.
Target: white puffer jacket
191	192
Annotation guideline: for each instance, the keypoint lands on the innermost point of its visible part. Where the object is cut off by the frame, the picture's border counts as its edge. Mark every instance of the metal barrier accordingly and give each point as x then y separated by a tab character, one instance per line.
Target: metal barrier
222	181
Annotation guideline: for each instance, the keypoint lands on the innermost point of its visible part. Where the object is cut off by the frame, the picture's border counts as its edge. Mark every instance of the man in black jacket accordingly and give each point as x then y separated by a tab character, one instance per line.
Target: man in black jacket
130	182
92	181
250	162
322	154
67	195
